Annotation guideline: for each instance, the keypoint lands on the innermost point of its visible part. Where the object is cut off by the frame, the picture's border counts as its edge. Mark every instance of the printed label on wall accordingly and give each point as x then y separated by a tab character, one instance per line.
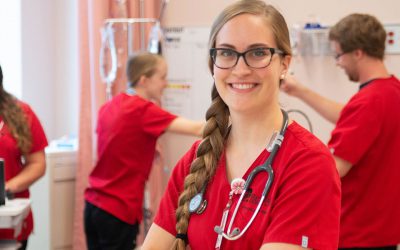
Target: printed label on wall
189	89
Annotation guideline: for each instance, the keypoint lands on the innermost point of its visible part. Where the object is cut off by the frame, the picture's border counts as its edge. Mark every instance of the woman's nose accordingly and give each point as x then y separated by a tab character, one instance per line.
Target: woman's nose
241	67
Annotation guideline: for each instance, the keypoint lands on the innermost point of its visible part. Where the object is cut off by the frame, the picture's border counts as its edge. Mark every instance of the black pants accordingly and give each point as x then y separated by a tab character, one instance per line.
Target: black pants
371	248
23	245
106	232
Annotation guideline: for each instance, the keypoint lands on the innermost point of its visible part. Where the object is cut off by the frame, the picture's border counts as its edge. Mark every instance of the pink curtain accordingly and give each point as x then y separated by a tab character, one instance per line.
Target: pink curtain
92	14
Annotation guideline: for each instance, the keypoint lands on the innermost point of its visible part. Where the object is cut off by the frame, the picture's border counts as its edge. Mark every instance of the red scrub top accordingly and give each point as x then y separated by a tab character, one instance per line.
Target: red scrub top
127	129
301	208
11	154
367	135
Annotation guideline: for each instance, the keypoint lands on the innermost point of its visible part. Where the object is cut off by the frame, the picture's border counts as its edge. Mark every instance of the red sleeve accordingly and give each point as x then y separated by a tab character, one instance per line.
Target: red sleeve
306	209
39	140
155	119
165	217
353	134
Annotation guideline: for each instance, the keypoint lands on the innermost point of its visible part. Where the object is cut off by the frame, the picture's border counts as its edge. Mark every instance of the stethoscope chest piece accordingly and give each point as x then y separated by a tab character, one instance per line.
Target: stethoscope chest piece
197	204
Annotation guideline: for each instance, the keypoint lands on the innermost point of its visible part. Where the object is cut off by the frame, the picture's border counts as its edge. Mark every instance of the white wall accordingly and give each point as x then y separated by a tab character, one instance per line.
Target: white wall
40	59
67	87
39	56
193	12
38	27
50	84
10	46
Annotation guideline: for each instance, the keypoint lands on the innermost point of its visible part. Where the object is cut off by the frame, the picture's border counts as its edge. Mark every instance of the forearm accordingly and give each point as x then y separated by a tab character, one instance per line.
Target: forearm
342	166
34	168
327	108
185	126
157	238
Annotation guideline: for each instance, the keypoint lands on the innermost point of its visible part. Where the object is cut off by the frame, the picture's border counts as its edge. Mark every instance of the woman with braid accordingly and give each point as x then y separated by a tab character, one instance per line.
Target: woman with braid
22	143
249	56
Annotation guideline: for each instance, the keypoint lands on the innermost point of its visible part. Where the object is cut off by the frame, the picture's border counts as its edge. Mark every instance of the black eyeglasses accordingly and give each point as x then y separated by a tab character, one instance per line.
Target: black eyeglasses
254	58
337	56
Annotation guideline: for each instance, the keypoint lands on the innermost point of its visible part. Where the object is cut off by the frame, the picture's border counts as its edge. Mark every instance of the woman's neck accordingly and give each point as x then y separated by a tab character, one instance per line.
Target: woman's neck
256	130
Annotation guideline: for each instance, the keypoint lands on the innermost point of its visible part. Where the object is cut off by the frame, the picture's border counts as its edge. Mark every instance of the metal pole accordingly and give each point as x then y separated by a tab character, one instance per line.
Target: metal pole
142	27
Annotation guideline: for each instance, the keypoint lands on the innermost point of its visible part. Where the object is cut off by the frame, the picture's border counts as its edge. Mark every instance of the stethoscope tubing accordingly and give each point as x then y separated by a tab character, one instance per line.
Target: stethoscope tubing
266	166
249	180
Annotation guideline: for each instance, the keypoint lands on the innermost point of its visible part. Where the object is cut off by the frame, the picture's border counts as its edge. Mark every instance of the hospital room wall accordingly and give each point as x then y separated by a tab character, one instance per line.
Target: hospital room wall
318	72
49	63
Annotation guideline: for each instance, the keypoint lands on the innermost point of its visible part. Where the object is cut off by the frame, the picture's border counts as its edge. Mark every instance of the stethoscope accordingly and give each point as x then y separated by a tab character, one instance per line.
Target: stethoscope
198	204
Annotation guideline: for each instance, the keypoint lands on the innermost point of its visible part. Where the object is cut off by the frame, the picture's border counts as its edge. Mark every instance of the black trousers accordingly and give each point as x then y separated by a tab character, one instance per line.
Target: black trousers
371	248
106	232
23	245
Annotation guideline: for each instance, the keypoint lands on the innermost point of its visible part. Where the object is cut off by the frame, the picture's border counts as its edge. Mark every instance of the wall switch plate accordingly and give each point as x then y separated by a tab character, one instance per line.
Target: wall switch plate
392	38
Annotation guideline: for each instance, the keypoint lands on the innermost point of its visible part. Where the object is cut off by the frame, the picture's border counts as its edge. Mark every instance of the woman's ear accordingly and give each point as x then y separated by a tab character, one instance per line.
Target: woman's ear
285	65
142	81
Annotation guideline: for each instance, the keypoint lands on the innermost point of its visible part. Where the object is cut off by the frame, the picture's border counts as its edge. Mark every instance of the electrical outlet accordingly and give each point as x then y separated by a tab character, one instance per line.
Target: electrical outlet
392	38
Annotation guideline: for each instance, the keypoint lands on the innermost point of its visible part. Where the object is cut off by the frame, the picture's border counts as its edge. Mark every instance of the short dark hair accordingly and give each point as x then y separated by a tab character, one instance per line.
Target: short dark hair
360	31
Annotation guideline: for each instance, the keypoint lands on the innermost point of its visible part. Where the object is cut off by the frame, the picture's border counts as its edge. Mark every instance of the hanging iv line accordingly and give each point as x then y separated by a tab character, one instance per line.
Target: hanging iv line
155	39
108	70
156	34
108	43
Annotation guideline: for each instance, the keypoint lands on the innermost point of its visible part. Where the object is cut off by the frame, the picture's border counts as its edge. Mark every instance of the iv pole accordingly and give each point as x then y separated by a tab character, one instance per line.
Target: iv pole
108	43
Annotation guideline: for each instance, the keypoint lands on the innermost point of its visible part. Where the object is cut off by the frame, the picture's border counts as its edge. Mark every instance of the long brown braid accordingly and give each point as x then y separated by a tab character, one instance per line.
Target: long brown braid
203	167
15	118
217	127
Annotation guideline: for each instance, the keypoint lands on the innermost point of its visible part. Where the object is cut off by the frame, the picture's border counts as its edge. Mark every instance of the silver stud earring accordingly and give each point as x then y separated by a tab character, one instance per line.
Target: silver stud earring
282	76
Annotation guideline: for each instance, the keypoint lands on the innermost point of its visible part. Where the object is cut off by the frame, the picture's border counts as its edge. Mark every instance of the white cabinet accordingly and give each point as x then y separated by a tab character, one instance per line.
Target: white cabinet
53	202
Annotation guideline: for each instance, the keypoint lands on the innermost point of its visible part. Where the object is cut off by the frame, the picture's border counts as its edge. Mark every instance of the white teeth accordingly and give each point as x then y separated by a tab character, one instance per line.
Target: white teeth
242	86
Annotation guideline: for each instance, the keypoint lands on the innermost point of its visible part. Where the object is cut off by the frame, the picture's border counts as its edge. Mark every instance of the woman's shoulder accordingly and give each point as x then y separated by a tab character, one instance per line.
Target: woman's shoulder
183	165
26	108
190	155
126	103
304	154
137	103
301	139
304	150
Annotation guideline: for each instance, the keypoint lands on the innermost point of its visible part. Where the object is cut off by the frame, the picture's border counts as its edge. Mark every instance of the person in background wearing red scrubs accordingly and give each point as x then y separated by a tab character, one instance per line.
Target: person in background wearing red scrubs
127	129
366	140
250	54
22	144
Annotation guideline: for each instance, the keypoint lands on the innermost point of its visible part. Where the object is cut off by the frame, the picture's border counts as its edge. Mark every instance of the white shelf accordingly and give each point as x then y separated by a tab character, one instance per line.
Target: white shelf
13	213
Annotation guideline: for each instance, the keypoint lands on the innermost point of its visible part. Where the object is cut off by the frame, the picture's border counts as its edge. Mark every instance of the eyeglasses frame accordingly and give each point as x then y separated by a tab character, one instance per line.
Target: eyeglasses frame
242	54
337	56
